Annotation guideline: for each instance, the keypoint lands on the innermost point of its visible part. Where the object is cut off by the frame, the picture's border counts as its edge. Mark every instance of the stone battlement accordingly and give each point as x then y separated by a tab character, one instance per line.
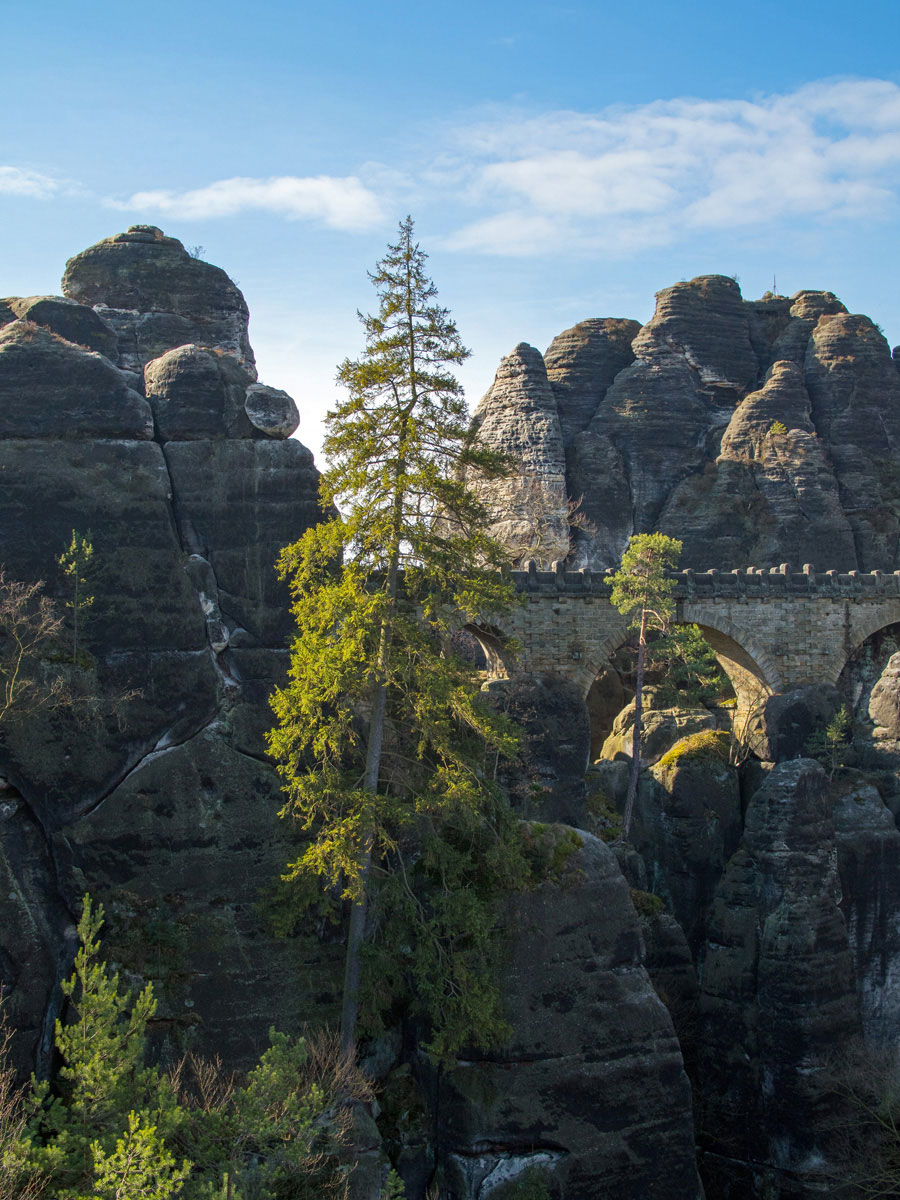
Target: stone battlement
758	583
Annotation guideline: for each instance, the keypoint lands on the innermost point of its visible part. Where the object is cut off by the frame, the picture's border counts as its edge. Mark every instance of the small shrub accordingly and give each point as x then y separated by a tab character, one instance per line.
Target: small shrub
829	746
392	1188
606	819
646	904
548	849
778	427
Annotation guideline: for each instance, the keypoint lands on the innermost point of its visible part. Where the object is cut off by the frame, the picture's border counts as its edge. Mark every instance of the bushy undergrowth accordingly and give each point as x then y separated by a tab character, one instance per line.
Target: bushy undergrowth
112	1128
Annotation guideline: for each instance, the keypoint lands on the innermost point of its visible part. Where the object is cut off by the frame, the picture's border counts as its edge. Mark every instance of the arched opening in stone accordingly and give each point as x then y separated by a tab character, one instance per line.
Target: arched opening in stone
612	691
864	669
748	682
485	646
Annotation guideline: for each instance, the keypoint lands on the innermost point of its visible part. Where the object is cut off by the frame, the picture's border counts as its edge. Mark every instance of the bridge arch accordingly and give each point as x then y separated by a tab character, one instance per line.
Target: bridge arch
494	644
863	624
752	674
608	685
747	662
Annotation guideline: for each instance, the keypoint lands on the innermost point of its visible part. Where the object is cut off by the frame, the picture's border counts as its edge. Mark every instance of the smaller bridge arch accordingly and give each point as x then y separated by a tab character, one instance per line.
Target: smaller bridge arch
494	643
863	625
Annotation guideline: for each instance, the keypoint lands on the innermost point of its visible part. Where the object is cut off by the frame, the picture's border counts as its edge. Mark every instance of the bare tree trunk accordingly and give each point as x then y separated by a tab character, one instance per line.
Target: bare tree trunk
634	777
357	930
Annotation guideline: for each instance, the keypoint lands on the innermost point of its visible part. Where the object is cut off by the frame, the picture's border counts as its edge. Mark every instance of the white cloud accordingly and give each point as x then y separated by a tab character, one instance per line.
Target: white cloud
625	177
340	203
17	181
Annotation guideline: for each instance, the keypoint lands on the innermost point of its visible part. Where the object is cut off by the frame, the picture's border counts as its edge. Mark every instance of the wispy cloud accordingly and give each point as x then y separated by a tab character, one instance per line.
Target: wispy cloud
645	176
17	181
343	203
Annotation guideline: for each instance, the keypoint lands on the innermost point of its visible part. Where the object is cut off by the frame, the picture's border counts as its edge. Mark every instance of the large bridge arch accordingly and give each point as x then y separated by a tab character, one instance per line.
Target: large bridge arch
863	624
753	673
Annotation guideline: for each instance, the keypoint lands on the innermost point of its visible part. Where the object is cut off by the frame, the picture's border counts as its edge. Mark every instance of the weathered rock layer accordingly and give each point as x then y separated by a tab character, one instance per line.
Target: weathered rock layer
130	412
757	432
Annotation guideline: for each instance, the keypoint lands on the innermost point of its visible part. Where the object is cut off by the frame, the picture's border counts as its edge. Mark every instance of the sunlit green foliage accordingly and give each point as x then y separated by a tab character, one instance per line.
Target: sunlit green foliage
139	1168
385	744
112	1128
102	1078
642	592
640	588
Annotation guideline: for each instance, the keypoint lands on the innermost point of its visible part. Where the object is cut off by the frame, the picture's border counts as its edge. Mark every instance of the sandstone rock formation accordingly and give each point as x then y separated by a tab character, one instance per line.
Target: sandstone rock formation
746	933
757	432
884	701
518	417
777	997
591	1093
130	410
155	296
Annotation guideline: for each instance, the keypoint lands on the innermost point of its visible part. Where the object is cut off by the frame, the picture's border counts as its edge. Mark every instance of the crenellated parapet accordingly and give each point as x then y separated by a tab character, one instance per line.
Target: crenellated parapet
755	582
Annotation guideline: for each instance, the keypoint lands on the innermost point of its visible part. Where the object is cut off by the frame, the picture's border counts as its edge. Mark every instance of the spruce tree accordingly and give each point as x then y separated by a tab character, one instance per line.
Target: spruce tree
382	732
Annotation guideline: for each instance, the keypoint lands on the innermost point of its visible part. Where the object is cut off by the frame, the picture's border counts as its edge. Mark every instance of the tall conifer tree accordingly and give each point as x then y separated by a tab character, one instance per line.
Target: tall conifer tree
381	729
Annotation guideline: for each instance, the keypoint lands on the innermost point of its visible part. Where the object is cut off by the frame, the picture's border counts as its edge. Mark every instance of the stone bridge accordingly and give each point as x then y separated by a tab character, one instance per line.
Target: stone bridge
771	630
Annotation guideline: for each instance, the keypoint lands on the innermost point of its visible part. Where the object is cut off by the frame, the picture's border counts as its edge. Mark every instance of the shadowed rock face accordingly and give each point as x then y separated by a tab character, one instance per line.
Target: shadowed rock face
756	432
140	422
591	1091
582	363
53	389
868	849
777	996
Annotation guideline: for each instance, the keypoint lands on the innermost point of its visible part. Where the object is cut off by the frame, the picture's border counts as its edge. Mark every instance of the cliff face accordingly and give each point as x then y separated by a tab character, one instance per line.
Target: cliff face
758	936
757	432
130	411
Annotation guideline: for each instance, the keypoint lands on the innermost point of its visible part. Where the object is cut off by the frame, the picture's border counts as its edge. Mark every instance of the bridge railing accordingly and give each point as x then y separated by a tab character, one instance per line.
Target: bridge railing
753	582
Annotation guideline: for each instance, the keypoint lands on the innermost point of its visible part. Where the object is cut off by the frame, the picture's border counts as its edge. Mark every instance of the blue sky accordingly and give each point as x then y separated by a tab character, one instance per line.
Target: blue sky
561	161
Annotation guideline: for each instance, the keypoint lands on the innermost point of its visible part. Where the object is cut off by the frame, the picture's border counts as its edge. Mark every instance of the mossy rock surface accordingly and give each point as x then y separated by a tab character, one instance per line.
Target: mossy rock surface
707	746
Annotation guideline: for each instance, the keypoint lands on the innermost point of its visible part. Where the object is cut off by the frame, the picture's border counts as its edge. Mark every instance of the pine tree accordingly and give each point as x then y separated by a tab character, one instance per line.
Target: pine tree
381	730
641	591
102	1078
139	1168
75	561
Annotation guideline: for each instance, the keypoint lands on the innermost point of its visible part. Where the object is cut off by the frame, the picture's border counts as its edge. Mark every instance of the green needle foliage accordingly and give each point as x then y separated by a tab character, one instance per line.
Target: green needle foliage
76	561
114	1129
102	1078
140	1167
383	737
829	746
641	591
689	670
